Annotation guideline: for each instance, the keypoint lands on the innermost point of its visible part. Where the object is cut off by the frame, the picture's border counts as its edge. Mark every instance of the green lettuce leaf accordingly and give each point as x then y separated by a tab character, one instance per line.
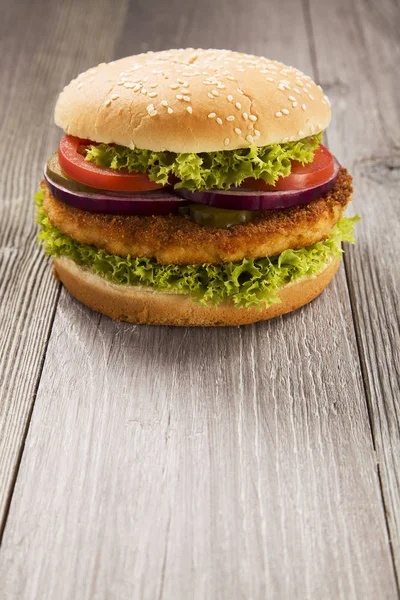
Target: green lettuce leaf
247	283
208	169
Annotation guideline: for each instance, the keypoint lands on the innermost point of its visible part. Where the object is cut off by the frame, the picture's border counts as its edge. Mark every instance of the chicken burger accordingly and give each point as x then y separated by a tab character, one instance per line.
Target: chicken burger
192	187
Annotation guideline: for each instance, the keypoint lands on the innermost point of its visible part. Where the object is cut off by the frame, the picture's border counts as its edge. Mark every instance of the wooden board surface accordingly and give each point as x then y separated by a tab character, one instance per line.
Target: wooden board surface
257	462
37	62
367	137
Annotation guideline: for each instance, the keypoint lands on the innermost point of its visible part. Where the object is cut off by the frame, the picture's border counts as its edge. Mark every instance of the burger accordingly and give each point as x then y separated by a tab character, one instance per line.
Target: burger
192	187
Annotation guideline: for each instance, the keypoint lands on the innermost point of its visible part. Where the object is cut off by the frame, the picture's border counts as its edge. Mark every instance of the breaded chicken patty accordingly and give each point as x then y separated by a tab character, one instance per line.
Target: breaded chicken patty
178	240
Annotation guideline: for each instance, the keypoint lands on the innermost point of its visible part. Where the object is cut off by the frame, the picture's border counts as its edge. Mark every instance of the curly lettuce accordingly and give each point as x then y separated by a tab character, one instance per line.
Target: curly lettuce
246	283
206	170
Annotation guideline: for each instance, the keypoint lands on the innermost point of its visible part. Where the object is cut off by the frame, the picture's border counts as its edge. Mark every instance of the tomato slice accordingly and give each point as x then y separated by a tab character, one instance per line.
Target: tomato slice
73	163
301	176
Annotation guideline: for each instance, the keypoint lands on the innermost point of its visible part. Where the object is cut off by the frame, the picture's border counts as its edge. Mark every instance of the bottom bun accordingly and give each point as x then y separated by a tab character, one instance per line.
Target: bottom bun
139	304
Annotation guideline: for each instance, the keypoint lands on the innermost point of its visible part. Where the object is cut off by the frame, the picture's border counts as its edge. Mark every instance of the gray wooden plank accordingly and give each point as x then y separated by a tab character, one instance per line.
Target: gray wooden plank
366	96
179	463
199	464
42	45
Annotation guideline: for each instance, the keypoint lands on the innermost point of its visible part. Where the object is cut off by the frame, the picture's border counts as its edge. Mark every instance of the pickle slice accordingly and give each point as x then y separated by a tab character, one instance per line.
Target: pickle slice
210	216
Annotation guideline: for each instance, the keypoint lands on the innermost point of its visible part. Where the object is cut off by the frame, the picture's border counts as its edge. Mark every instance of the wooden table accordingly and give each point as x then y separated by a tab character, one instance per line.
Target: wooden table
241	463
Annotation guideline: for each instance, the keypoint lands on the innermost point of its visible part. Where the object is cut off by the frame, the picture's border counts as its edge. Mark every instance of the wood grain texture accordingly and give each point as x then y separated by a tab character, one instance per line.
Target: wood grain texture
37	60
175	464
366	133
198	464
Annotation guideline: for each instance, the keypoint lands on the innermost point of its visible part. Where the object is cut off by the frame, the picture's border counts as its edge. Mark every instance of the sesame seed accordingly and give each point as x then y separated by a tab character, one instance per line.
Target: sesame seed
189	109
219	121
300	132
170	111
303	106
257	132
240	91
143	91
297	91
238	131
252	117
79	85
120	83
182	81
114	97
278	114
107	102
269	79
128	85
230	118
292	98
281	87
153	85
174	86
294	104
312	128
250	139
186	98
211	115
230	98
238	105
226	141
209	94
153	113
285	111
245	116
185	84
215	92
137	87
179	97
311	97
153	94
164	103
230	78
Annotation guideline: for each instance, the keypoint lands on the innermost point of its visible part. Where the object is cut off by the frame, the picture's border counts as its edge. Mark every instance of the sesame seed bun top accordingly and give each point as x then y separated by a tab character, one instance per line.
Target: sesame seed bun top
192	101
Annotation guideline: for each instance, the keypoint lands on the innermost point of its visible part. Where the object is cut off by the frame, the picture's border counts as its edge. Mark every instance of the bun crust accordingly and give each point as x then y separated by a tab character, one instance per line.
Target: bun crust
192	101
141	305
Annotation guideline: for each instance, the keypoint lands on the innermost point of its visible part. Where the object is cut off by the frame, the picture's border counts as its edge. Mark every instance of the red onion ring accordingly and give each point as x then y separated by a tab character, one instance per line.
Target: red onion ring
244	199
118	203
